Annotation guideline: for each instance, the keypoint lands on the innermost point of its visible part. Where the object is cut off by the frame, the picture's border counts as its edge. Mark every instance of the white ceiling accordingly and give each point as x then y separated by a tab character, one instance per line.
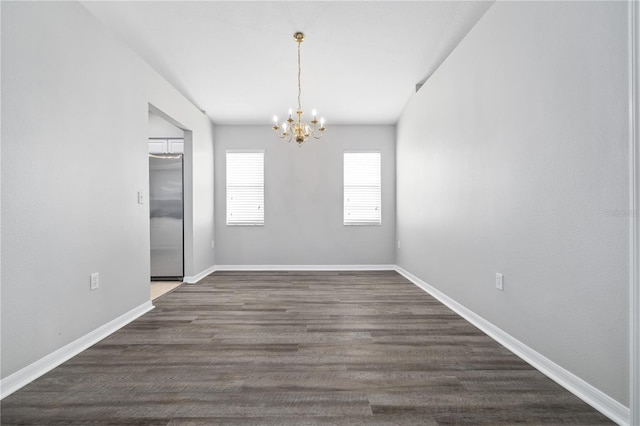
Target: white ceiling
237	59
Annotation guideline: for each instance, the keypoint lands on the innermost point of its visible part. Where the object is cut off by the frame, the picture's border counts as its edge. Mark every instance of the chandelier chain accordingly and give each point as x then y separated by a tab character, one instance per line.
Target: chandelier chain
299	71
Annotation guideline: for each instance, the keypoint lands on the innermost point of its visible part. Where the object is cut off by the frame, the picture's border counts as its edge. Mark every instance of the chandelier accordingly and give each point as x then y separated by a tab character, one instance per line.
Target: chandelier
297	129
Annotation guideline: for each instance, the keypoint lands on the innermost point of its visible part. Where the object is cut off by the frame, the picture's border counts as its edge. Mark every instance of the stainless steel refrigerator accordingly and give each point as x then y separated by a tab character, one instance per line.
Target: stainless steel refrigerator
166	212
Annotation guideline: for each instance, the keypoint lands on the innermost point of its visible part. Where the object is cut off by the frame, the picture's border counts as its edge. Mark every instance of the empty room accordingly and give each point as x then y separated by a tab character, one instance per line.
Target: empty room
319	212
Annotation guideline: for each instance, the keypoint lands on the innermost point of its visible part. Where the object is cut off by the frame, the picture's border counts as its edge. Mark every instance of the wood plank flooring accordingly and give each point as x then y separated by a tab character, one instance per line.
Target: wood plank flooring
297	348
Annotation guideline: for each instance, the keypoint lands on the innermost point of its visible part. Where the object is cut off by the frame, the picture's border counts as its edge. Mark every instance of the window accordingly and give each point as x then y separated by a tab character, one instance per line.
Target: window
245	187
362	182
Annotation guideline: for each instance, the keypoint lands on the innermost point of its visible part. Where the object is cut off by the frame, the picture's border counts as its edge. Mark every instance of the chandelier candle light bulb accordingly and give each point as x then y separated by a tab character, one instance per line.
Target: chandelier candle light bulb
299	129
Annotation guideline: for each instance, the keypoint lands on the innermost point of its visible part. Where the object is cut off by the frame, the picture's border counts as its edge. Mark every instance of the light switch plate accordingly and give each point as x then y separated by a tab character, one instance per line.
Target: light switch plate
95	280
500	282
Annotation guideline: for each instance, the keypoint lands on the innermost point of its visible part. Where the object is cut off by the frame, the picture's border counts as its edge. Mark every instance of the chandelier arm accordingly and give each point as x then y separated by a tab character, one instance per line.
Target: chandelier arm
317	133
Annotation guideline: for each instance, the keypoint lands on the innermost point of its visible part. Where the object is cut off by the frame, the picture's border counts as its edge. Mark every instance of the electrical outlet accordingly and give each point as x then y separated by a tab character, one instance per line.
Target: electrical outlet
95	280
500	282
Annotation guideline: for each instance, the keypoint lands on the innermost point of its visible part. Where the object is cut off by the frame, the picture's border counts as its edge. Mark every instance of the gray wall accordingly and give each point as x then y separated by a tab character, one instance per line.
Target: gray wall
161	128
303	200
74	154
513	158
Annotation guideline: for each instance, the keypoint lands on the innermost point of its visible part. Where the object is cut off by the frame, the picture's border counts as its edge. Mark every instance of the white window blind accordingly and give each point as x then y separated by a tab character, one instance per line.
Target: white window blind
362	187
245	187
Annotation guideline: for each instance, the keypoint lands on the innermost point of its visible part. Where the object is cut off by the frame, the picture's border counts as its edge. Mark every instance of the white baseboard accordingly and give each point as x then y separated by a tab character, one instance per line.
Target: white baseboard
195	278
23	377
305	267
583	390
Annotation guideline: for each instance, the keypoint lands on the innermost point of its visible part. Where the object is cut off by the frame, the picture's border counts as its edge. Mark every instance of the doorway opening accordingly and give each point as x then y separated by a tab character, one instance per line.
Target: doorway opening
166	204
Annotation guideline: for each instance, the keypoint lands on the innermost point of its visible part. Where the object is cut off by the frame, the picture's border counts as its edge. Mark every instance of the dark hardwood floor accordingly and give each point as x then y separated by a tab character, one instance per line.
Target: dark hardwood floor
297	348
